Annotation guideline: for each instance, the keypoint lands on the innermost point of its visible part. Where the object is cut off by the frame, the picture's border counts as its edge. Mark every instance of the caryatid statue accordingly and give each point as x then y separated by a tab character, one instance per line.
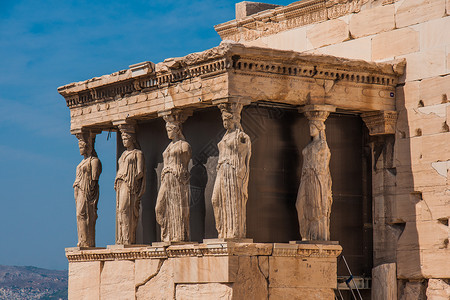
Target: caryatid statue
86	190
314	197
230	194
172	205
129	186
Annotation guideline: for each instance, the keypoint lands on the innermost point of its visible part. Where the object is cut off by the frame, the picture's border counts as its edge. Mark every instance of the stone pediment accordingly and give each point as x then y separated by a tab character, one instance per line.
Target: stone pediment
231	72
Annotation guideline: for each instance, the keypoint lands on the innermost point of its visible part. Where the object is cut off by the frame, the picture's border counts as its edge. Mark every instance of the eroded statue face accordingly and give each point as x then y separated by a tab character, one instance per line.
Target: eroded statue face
127	140
83	147
172	131
313	130
228	123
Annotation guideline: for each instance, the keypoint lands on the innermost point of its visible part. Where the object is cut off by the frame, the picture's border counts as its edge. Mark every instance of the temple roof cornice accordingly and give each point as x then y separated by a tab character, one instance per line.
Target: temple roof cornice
232	72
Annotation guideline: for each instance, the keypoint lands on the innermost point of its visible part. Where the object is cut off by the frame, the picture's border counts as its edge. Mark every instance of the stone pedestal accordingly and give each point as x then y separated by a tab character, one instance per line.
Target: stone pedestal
225	270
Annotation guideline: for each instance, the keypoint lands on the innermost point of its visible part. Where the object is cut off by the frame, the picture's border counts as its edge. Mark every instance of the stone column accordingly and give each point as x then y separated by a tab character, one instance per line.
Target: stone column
129	185
172	205
86	188
314	197
386	230
230	193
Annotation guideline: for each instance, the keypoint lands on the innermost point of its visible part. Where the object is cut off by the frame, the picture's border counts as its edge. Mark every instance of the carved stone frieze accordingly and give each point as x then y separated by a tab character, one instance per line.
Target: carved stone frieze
228	72
109	254
339	8
307	250
198	250
283	18
380	122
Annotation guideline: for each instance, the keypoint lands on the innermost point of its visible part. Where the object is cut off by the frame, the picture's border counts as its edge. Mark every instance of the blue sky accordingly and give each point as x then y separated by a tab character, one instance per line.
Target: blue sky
49	43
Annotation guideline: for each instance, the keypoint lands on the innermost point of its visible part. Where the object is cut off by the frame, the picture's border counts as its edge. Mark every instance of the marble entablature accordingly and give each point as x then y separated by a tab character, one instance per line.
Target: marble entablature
231	72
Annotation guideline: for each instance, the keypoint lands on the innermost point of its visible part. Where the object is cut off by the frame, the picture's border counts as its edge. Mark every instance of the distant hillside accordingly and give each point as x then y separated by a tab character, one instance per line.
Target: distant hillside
20	283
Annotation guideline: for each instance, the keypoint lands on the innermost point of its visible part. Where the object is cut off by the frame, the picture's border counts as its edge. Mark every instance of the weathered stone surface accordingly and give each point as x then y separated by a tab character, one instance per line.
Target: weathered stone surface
247	8
418	11
300	294
395	43
198	269
437	200
448	57
328	33
385	241
408	253
145	269
182	271
84	280
372	21
161	286
294	39
430	147
425	64
413	290
436	261
432	34
384	282
355	49
403	209
249	278
117	280
263	262
204	291
438	289
435	90
408	95
301	273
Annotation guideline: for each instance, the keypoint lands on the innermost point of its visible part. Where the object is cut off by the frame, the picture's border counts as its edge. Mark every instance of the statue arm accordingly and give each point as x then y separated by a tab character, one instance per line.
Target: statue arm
140	165
96	166
244	138
186	148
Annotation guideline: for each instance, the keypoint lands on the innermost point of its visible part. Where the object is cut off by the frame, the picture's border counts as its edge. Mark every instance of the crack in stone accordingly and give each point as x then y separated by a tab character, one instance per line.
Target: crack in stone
161	262
262	273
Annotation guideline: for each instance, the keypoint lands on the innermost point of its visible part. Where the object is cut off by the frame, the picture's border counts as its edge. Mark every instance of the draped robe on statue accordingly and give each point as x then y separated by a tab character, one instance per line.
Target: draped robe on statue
314	197
172	205
86	193
129	190
230	192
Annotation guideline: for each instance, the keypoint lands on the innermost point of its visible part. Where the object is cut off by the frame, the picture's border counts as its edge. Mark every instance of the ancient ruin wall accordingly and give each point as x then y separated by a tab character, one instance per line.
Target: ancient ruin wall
411	185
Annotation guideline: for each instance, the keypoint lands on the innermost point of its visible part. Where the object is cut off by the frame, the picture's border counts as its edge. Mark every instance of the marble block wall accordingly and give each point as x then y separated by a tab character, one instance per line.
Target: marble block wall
205	271
411	223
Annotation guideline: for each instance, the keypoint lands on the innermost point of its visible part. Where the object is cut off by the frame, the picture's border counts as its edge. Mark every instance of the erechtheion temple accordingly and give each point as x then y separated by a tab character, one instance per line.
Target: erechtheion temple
311	144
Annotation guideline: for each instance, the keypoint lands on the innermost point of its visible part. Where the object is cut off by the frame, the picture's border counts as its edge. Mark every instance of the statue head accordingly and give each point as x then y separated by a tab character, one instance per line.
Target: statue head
128	135
316	127
231	115
128	139
86	141
174	123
